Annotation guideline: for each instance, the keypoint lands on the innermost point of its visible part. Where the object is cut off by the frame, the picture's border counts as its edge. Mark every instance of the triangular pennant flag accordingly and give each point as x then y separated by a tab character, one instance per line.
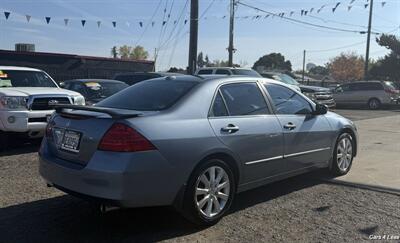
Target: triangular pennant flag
366	5
169	15
48	20
141	24
349	7
383	4
7	14
185	21
305	12
302	12
164	22
283	14
98	24
266	16
66	22
312	9
114	23
83	22
28	18
337	5
291	13
224	16
152	24
165	10
258	16
352	1
175	21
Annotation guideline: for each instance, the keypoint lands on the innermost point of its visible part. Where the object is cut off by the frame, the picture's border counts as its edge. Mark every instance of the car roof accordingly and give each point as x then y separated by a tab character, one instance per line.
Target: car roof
15	68
239	68
162	74
94	80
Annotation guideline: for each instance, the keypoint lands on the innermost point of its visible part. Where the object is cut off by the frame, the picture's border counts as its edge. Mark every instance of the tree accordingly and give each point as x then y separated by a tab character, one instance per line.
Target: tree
347	67
133	53
176	70
273	61
114	52
387	67
319	70
200	60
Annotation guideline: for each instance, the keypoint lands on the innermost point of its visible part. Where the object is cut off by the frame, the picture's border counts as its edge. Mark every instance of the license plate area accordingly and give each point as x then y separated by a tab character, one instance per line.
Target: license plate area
67	140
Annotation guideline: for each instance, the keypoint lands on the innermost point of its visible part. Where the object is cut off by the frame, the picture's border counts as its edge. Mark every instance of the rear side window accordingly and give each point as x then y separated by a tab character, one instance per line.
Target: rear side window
223	72
152	95
205	71
219	108
367	86
244	99
287	101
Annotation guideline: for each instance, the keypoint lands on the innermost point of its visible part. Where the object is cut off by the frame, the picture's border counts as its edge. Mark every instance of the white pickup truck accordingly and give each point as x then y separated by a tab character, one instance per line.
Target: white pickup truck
26	97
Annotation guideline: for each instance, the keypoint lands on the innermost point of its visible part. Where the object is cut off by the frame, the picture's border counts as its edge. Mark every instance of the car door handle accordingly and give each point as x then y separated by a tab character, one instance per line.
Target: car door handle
230	128
289	126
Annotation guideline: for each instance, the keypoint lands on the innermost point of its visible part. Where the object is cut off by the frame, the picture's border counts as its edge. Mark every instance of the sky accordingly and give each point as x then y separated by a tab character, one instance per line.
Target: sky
253	36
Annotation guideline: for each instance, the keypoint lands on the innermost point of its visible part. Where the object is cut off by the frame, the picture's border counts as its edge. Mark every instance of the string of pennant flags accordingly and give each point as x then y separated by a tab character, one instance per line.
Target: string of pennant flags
301	12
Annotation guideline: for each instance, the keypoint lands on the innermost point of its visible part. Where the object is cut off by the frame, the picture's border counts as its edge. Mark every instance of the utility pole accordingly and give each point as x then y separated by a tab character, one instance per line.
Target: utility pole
194	22
231	49
371	5
304	65
155	59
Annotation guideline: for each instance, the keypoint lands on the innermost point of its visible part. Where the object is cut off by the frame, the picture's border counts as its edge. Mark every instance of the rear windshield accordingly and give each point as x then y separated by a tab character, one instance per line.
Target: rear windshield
152	95
245	72
16	78
103	89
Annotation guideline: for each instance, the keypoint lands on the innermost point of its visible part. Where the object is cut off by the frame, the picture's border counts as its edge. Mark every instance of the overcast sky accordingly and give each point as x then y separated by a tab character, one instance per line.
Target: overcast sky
254	36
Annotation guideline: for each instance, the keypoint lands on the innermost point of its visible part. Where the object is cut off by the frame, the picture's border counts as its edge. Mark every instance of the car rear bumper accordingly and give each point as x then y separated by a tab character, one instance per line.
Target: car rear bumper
124	179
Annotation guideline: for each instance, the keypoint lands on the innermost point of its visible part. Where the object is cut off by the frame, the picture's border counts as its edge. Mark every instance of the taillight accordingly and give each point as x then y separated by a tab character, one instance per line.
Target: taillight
391	91
49	129
122	138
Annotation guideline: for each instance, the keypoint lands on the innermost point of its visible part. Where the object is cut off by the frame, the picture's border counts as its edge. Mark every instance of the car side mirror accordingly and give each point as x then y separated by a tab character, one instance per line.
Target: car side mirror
62	85
320	109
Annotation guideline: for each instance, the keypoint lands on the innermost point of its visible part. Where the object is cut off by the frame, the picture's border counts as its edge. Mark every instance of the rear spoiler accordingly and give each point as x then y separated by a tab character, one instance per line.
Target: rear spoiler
114	113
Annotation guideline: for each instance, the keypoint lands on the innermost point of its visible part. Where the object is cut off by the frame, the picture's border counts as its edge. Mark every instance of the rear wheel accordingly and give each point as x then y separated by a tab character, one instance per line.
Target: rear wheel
343	155
209	193
374	104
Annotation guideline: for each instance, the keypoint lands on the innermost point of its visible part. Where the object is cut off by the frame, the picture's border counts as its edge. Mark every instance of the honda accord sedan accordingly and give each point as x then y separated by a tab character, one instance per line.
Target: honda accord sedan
192	143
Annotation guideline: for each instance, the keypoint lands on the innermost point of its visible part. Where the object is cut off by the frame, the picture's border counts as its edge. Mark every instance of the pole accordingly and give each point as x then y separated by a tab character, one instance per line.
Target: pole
371	4
194	15
304	64
231	24
155	59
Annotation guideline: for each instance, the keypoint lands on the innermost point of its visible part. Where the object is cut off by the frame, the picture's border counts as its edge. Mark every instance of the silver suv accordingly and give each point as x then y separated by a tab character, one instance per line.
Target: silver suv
374	94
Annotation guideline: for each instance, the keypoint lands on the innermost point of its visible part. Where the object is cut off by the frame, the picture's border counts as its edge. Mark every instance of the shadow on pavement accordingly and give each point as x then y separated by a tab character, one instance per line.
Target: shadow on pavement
67	219
18	147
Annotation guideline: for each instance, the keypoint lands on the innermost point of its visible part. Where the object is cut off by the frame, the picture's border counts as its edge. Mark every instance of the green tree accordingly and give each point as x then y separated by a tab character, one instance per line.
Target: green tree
200	61
273	61
114	52
133	53
387	67
319	70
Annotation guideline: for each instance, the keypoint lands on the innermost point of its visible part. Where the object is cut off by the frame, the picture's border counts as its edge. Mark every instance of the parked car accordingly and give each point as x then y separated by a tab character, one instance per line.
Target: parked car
227	71
26	97
94	90
374	94
136	77
192	143
317	94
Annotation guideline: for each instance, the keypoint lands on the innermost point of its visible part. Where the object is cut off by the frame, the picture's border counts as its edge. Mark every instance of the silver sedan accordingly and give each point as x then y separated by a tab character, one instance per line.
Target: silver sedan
192	142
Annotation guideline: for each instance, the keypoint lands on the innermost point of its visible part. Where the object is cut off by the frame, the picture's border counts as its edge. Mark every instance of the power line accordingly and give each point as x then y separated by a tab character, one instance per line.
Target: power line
338	48
148	24
304	22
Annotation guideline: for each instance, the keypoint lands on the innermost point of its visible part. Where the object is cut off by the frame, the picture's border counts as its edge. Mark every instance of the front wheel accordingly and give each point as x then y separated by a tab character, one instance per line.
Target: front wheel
374	104
209	193
342	155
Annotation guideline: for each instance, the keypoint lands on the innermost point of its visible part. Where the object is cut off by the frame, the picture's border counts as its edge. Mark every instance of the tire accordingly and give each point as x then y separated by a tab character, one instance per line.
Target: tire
343	155
210	197
3	141
374	104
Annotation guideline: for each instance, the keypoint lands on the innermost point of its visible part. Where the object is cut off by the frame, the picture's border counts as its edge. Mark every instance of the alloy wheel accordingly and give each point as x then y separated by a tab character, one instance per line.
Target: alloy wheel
344	154
212	191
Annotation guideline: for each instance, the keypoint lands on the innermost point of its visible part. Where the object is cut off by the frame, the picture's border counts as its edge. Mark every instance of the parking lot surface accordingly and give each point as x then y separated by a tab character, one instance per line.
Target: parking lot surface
306	208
